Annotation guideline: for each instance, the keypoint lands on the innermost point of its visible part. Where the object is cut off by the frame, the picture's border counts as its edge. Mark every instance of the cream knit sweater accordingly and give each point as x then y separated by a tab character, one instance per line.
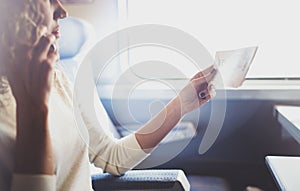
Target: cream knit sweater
78	139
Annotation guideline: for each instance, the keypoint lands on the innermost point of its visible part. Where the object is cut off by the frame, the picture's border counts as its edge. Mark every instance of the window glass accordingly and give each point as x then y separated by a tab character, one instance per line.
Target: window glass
231	24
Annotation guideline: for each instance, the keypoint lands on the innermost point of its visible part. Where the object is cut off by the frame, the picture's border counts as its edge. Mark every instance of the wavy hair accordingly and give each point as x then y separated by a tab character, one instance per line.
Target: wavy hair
20	25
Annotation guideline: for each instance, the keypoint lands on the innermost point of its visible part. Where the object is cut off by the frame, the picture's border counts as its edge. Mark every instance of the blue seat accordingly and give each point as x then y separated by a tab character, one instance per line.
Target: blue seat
77	36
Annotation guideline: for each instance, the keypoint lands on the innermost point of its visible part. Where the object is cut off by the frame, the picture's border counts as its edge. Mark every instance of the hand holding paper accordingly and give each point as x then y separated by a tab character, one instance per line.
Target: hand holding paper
233	66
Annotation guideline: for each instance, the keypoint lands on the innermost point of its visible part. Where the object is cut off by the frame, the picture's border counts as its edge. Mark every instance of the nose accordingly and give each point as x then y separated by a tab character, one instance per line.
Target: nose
60	12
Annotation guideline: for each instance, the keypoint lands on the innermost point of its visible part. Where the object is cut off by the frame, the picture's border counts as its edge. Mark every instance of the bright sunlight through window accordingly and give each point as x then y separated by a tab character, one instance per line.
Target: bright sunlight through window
274	26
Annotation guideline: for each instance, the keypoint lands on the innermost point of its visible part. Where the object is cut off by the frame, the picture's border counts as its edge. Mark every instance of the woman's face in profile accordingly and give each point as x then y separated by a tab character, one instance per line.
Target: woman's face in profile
25	22
53	11
32	18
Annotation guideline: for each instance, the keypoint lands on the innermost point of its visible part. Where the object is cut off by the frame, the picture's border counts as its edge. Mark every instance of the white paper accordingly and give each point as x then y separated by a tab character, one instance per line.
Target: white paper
233	66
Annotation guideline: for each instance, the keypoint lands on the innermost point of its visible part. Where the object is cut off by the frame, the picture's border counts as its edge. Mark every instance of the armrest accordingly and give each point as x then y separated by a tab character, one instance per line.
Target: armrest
183	130
142	180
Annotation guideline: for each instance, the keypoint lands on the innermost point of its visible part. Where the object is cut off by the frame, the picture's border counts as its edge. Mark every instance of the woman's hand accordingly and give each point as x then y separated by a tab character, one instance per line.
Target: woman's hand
30	76
196	93
199	90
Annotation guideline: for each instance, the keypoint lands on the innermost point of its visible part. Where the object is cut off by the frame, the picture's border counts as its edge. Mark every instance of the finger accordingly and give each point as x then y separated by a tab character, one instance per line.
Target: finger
48	65
53	58
46	75
203	94
40	74
204	99
206	95
212	90
209	70
202	83
42	49
211	75
209	92
52	48
43	81
42	52
203	86
53	54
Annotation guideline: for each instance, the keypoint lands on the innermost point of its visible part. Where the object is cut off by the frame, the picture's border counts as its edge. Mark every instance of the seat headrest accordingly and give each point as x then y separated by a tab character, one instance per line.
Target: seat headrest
74	34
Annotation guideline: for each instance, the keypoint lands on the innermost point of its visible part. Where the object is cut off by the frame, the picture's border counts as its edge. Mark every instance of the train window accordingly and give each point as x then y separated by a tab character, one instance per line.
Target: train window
223	25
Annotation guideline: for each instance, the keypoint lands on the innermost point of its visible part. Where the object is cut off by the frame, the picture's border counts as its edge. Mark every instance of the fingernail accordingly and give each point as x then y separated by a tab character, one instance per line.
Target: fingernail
202	95
52	48
214	70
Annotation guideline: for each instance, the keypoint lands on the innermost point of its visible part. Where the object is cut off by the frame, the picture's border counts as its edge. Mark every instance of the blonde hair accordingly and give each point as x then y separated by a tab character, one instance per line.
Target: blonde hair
20	22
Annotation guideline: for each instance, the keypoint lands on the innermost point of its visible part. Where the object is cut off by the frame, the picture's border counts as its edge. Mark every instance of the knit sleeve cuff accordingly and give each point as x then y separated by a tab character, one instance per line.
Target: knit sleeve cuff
33	182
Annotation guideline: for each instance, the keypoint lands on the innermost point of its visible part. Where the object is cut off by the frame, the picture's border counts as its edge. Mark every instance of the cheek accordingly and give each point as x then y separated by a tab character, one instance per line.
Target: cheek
48	22
47	15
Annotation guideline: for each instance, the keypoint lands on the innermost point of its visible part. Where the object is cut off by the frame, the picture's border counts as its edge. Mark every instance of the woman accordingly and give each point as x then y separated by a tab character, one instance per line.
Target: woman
40	147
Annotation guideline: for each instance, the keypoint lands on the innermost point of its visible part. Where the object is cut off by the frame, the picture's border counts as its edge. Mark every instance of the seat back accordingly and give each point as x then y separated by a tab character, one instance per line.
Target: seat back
77	36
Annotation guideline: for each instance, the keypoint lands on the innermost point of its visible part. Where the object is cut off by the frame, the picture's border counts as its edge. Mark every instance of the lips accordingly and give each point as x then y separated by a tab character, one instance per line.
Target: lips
56	32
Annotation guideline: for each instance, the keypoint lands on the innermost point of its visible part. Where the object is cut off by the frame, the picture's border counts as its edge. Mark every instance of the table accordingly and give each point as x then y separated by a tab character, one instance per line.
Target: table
286	171
289	118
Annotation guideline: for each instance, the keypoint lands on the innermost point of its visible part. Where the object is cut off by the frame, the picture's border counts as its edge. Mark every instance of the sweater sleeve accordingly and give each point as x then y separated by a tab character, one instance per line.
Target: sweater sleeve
33	182
119	157
115	156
